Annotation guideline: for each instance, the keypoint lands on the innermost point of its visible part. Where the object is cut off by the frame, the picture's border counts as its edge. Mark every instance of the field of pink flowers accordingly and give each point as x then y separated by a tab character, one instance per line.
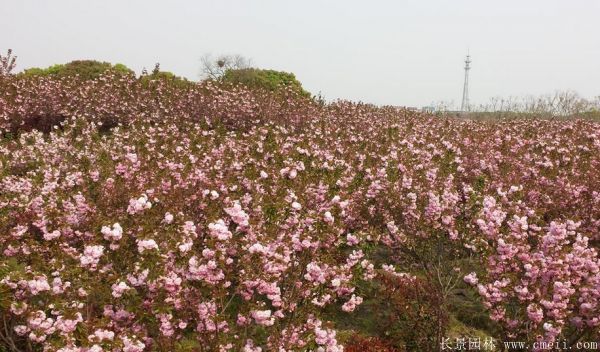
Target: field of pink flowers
142	215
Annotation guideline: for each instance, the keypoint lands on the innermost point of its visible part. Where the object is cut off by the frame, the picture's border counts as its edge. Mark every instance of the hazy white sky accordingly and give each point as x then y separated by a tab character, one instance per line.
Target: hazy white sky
404	52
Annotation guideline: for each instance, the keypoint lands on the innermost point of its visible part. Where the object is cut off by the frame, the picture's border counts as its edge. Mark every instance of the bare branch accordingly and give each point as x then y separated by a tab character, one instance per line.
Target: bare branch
215	68
7	63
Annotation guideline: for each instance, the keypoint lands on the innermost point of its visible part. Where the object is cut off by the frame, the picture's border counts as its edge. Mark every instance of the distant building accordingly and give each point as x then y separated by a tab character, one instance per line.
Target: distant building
428	109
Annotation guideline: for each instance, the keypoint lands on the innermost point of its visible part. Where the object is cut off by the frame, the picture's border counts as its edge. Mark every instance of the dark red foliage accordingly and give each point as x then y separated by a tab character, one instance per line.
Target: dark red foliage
358	343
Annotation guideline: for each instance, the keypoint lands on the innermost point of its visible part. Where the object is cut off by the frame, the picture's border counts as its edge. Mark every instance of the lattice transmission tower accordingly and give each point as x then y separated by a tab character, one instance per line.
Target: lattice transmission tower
465	98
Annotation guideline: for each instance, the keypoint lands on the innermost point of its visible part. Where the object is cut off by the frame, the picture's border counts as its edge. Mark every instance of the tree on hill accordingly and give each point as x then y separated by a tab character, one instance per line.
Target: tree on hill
7	63
215	68
265	79
167	76
84	69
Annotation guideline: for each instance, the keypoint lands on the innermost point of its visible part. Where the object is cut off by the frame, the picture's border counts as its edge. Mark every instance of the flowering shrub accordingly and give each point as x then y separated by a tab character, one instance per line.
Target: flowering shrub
144	251
41	102
401	312
541	282
141	215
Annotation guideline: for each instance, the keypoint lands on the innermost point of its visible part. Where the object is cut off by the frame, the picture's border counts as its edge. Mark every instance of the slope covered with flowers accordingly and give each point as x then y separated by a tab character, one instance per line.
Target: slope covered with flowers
146	216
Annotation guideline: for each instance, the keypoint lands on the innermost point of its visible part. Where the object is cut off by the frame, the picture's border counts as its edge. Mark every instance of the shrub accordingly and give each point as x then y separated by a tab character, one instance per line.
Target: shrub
165	77
358	343
270	80
84	69
116	251
413	317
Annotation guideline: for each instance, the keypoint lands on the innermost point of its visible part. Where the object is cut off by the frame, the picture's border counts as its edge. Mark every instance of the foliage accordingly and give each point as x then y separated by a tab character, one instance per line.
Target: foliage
359	343
165	77
401	311
215	68
264	79
84	69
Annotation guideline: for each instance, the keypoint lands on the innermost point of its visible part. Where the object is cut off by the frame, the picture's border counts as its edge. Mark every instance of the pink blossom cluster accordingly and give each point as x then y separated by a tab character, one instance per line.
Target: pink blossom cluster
552	272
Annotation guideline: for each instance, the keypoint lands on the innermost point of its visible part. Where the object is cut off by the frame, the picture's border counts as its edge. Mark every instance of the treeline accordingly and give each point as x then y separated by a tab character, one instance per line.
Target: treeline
111	94
225	69
560	104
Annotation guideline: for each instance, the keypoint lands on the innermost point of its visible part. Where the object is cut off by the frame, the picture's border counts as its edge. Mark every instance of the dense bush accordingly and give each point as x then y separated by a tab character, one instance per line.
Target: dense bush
84	69
165	77
359	343
161	250
113	98
400	310
270	80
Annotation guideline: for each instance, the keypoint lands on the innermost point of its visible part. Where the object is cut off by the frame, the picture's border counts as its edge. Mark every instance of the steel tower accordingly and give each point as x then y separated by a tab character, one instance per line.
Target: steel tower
465	99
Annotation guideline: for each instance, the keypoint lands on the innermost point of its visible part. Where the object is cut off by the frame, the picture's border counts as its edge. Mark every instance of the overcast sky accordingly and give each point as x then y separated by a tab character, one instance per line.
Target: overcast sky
403	52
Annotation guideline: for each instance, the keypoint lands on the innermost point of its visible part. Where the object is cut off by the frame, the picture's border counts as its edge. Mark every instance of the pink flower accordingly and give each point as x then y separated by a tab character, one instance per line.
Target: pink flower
315	273
166	326
535	313
249	347
139	204
258	248
263	317
91	256
52	235
21	330
132	345
144	245
351	239
18	231
328	218
241	320
112	234
352	303
101	335
68	325
292	174
326	337
219	230
119	289
18	308
471	279
237	214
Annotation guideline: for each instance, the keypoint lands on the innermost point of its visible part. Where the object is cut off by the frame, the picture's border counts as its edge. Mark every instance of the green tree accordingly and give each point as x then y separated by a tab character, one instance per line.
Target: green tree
85	69
266	79
165	76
